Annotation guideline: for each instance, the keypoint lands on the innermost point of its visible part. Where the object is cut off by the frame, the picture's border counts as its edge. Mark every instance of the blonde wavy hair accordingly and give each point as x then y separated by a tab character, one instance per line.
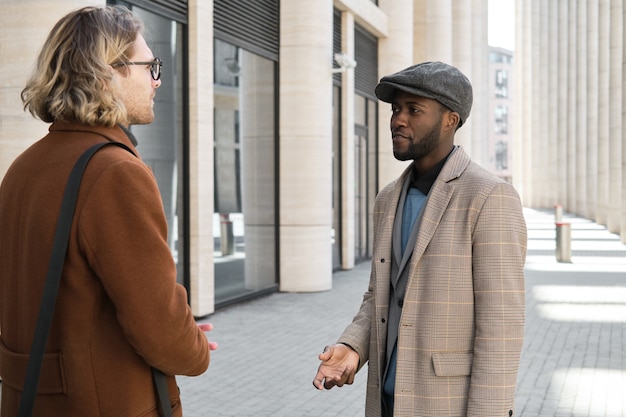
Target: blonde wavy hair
73	78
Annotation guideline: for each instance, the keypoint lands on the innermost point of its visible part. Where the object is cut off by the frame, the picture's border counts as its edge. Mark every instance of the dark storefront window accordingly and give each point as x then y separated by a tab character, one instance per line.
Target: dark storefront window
161	143
244	173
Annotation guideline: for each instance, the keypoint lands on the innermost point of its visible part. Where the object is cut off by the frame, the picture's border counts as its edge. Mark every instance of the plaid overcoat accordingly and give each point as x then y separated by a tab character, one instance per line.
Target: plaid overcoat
462	324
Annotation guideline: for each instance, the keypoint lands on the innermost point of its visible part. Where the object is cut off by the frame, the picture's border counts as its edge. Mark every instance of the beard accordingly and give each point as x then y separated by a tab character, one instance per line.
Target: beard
420	148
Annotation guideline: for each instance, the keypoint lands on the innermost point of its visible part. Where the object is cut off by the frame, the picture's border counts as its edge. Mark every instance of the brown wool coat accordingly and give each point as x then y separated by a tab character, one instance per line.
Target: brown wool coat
462	324
119	309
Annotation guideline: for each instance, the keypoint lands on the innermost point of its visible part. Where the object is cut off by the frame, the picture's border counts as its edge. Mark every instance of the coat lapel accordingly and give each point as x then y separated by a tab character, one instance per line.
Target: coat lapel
438	200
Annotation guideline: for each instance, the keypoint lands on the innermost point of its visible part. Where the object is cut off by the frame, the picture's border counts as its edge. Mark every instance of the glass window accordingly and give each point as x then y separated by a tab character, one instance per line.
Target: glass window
161	142
501	119
502	156
502	83
244	173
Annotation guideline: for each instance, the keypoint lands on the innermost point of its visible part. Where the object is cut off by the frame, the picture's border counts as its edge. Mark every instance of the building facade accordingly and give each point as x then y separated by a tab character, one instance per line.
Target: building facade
570	108
268	144
501	113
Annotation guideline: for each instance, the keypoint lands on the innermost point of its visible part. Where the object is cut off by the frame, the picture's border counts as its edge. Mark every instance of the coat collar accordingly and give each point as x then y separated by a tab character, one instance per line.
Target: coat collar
111	134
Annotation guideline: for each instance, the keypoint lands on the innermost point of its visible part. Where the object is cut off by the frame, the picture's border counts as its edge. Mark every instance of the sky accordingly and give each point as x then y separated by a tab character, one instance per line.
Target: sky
501	31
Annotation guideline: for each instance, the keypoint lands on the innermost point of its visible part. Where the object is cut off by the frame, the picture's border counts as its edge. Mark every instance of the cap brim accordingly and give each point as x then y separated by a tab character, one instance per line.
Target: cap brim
386	91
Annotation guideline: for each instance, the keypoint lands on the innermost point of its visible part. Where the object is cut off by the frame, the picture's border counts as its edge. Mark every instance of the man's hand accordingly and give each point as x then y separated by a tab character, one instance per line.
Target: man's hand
206	327
339	364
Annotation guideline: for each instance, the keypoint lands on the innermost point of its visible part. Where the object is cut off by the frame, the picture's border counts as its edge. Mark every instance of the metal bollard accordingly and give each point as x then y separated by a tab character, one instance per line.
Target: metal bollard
563	242
227	237
558	213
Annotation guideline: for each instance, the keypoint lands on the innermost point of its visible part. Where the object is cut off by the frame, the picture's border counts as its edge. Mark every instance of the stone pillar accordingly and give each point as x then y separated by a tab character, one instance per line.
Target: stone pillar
580	199
603	112
466	34
541	139
522	103
536	94
475	64
305	144
592	109
616	91
572	110
201	271
563	133
420	29
348	221
552	180
392	57
439	39
623	167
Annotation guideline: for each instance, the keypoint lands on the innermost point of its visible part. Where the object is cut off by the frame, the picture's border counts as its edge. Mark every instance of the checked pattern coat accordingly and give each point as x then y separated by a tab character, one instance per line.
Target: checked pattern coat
462	324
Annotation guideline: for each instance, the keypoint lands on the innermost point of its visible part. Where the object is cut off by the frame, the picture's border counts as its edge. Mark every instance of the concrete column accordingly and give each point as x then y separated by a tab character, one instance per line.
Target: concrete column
541	140
573	116
623	189
478	124
439	39
305	143
616	91
348	221
392	57
420	29
201	271
592	109
552	181
603	112
464	48
580	199
536	128
562	112
522	101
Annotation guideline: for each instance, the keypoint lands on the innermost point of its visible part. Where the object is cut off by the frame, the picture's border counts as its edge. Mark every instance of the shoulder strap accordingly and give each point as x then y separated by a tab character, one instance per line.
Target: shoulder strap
161	385
53	278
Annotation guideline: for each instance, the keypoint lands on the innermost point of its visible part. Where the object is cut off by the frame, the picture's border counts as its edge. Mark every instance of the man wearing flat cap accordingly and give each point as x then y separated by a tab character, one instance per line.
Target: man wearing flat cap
441	325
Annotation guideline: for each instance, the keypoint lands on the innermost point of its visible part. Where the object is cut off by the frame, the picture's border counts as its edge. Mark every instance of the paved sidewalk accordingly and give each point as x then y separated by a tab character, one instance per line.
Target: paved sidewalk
573	364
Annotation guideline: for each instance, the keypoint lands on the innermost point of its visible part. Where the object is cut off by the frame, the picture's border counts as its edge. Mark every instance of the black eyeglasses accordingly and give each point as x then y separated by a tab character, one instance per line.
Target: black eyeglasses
155	67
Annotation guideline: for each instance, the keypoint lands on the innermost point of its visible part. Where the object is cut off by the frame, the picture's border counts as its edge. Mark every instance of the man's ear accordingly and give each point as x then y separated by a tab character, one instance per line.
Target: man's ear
452	120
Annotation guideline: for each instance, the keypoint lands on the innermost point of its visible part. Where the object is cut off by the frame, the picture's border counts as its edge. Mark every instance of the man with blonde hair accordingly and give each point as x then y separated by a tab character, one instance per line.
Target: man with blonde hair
119	311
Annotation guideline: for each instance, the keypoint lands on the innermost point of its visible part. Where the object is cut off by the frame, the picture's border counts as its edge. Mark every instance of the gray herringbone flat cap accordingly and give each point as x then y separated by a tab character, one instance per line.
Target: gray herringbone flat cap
435	80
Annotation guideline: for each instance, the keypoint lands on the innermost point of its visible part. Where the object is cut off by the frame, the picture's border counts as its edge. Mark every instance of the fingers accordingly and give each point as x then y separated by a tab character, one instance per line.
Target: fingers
205	327
318	381
337	367
322	382
326	354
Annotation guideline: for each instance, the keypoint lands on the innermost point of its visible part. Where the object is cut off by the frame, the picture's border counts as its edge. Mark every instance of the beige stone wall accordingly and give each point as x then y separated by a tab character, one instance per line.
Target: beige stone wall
24	28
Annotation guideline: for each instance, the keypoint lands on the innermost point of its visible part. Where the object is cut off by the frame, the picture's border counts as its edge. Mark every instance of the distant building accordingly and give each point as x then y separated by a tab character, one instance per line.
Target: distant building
500	122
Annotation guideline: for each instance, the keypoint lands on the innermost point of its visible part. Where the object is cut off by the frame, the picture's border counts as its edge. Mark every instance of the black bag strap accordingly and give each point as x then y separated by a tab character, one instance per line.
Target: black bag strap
53	279
161	384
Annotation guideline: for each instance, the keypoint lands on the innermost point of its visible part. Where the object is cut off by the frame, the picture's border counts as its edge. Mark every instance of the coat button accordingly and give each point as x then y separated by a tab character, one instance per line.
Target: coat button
382	261
383	320
400	303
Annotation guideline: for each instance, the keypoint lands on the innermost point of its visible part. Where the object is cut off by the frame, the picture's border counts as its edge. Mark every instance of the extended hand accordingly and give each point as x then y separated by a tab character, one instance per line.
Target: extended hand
206	327
338	367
